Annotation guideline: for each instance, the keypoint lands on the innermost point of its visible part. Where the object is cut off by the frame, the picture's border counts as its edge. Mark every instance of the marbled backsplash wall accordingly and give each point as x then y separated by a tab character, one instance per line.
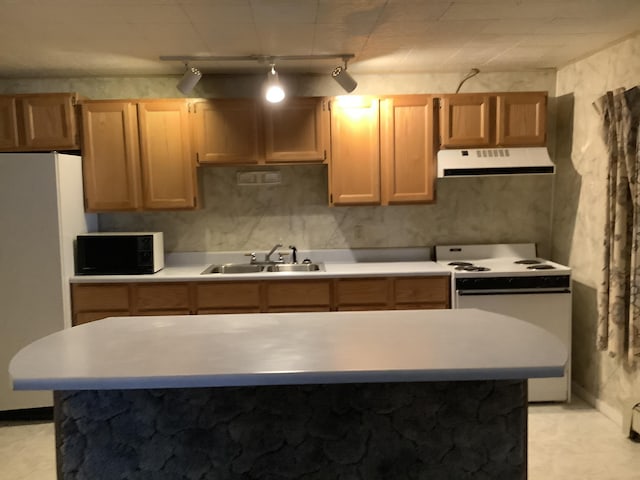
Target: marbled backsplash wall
579	212
498	209
513	209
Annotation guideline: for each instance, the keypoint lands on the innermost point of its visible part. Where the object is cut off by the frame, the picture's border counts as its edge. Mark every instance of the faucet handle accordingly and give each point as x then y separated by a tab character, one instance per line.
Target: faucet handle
294	254
281	256
252	255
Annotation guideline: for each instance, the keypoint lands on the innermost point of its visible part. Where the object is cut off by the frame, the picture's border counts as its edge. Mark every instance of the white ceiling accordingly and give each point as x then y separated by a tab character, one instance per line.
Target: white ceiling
127	37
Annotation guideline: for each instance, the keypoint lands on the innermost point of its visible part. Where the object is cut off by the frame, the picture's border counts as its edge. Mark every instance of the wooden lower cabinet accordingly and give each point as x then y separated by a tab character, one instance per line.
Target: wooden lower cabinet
298	296
363	293
156	298
421	292
227	297
96	301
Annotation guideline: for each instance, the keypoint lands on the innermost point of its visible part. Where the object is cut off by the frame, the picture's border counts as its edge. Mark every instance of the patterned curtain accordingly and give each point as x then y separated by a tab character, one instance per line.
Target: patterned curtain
619	291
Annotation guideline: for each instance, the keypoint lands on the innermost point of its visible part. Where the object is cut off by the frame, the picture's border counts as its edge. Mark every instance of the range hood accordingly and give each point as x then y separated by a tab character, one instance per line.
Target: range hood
473	162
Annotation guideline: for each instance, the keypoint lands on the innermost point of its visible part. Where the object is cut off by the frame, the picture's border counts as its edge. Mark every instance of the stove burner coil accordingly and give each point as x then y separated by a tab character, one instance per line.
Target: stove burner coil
472	268
541	266
460	264
528	261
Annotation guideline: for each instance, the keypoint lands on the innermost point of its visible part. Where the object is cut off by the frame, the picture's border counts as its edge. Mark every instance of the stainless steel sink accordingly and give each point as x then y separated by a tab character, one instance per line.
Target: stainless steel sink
259	268
298	267
234	268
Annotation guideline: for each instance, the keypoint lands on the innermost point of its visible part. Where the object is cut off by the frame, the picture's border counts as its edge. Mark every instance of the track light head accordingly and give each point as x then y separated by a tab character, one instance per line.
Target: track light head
344	78
274	92
189	80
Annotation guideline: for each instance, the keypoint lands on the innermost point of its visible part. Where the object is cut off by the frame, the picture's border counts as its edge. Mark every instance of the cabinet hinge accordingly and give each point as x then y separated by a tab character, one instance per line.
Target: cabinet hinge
198	158
324	153
331	198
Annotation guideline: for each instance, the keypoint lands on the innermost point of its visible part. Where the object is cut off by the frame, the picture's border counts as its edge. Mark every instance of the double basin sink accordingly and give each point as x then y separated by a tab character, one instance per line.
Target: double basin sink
260	268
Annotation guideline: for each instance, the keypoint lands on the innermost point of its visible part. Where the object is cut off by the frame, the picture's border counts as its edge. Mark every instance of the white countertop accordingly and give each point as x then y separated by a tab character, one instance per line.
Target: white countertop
333	270
188	266
288	348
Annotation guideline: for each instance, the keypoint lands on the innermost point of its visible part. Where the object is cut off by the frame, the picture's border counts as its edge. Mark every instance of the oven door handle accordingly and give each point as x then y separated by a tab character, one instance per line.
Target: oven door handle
537	291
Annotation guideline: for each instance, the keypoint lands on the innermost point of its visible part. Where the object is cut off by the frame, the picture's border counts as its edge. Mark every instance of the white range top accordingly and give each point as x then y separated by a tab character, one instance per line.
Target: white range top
288	348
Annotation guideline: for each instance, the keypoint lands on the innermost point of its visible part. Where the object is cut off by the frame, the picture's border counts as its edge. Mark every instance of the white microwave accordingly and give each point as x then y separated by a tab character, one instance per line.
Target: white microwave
119	253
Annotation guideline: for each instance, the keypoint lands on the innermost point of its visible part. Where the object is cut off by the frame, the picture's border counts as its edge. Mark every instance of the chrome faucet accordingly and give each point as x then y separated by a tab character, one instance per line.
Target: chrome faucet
267	257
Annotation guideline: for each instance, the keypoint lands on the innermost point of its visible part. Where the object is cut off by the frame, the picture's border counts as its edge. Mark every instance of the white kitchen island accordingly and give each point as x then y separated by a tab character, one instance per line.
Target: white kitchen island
388	394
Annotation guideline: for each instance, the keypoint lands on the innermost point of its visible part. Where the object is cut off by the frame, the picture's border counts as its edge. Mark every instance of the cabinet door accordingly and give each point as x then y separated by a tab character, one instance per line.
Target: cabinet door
91	302
296	130
168	171
298	295
362	294
228	297
9	139
227	131
406	146
161	298
110	156
465	120
422	292
522	119
355	152
49	122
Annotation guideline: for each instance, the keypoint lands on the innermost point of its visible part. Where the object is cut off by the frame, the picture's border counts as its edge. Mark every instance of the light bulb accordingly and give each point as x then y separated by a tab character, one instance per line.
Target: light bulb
274	92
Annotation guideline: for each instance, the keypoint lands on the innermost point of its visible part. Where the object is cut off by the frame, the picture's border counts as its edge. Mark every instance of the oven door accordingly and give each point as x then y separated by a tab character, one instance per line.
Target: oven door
550	310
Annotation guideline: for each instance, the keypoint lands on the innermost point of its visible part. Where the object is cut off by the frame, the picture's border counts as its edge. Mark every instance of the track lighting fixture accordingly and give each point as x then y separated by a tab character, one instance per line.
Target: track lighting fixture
274	92
189	80
344	78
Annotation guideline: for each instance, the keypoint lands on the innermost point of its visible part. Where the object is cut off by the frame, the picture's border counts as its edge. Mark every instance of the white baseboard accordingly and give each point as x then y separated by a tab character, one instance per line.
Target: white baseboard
604	408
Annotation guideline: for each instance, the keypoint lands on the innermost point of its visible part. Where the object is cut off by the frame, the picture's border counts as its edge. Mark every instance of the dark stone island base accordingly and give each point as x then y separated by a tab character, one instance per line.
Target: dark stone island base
391	431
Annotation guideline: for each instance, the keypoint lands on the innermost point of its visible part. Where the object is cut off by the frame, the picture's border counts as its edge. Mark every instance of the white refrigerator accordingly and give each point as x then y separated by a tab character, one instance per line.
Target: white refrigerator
41	212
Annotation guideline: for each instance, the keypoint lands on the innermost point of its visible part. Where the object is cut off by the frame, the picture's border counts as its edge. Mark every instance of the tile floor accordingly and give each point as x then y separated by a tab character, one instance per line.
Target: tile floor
566	442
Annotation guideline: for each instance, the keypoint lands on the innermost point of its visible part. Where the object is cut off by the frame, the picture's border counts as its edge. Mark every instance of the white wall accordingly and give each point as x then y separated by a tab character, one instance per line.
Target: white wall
579	212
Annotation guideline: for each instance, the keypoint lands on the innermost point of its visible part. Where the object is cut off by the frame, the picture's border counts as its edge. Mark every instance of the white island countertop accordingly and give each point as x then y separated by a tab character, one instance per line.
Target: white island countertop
288	348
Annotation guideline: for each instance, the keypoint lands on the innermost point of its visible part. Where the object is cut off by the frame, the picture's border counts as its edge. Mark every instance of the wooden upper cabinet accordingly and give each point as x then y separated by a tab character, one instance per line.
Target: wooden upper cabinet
168	171
406	146
355	152
137	155
227	131
521	119
110	156
49	122
469	120
296	130
9	139
464	120
38	122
